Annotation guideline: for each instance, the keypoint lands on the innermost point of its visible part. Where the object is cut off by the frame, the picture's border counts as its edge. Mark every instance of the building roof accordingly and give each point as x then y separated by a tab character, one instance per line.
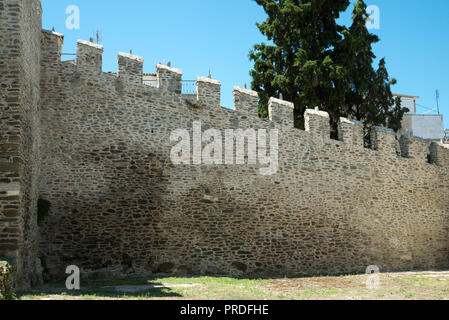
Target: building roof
406	96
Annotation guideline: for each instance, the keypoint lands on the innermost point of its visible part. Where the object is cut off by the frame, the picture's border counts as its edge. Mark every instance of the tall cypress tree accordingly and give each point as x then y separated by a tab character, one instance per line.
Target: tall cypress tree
384	109
313	61
368	92
300	63
359	58
395	115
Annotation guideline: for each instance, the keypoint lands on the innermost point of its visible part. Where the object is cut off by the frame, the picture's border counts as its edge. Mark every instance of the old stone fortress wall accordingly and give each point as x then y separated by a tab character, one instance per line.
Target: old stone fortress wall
119	206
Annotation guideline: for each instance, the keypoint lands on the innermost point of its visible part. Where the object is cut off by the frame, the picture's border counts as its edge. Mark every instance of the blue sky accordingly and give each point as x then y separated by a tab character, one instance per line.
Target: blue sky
202	35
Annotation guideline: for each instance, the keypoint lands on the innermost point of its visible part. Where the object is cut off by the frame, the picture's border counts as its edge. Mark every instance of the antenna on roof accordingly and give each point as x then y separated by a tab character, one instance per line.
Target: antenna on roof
437	95
98	36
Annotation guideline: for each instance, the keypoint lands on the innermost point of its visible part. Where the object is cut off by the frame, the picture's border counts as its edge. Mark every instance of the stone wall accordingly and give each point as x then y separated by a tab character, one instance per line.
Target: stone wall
20	27
121	207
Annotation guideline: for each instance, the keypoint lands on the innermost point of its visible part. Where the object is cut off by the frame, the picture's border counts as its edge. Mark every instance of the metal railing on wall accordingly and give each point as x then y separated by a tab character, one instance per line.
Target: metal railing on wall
188	86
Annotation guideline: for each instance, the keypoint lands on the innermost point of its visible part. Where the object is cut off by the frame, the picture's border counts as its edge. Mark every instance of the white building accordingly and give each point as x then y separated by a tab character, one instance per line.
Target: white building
426	126
150	79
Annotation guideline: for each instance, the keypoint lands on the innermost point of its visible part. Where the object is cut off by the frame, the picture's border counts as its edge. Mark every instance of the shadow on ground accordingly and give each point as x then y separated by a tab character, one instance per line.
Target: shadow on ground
123	289
424	285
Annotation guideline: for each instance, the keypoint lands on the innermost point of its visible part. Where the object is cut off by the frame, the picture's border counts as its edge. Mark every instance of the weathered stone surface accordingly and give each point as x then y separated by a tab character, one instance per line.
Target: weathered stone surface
97	147
333	206
20	59
351	132
240	266
166	267
208	91
130	68
317	122
281	112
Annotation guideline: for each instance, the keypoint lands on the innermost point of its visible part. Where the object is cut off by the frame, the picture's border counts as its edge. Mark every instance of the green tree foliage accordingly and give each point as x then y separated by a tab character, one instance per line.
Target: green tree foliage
313	61
356	48
395	115
6	284
300	64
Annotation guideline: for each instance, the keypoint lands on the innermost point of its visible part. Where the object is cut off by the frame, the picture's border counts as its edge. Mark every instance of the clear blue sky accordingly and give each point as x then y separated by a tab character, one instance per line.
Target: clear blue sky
199	35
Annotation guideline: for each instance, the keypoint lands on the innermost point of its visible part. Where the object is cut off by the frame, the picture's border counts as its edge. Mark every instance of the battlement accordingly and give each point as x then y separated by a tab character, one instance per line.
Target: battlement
317	122
414	147
51	42
281	112
246	102
439	154
130	68
169	78
208	91
89	57
98	147
384	140
351	132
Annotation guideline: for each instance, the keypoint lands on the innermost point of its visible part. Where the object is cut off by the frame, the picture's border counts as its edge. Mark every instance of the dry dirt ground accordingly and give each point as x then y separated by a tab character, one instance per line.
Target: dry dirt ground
427	285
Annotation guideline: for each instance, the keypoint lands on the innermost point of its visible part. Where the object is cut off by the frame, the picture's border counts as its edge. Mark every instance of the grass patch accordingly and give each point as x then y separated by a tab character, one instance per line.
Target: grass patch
392	286
6	276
